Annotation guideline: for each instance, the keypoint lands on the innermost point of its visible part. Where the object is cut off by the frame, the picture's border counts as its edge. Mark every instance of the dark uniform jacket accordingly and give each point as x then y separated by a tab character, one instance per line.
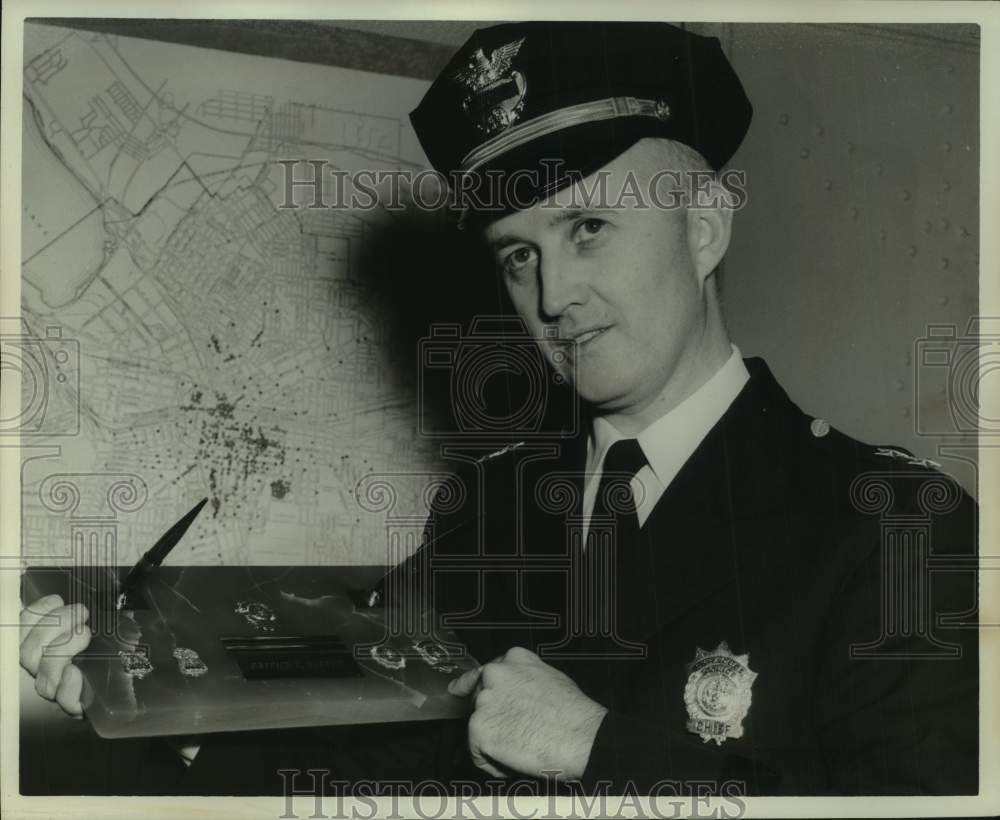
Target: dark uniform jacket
830	583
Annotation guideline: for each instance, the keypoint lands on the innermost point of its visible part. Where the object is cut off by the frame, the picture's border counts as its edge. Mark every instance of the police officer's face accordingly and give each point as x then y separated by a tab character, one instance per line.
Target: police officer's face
626	284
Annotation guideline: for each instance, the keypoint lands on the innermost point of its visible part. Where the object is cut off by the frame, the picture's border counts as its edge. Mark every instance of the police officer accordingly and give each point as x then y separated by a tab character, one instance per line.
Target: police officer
740	627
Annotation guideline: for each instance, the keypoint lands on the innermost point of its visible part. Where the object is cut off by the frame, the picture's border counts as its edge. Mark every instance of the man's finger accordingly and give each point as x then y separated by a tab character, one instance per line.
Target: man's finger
63	620
484	764
462	686
35	611
56	657
477	694
69	691
518	654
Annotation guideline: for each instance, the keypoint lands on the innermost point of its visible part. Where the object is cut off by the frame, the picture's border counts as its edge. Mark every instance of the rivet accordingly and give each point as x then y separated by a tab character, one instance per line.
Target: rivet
948	108
899	385
804	153
950	69
882	234
946	147
906	412
850	147
819	130
783	119
828	185
879	169
941	390
927	226
905	195
946	185
945	224
965	232
944	262
942	300
907	358
854	213
912	251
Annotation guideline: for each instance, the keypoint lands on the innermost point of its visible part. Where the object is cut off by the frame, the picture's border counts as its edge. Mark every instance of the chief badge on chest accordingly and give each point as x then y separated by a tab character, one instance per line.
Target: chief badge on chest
717	694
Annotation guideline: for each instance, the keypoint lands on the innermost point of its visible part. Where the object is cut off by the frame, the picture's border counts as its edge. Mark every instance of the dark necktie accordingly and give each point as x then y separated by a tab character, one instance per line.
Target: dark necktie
613	531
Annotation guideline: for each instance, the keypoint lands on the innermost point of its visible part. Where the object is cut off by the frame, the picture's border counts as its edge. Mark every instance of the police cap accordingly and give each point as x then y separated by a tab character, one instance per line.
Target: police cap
574	95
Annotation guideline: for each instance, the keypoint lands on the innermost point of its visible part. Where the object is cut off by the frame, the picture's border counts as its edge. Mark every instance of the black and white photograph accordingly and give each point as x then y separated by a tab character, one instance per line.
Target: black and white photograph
513	410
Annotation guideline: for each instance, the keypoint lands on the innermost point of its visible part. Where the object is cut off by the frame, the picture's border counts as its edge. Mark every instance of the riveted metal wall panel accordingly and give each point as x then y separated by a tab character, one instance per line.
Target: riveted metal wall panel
861	226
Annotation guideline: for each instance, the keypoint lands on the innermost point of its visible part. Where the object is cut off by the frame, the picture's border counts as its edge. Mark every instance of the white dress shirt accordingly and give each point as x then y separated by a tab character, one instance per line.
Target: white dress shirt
669	441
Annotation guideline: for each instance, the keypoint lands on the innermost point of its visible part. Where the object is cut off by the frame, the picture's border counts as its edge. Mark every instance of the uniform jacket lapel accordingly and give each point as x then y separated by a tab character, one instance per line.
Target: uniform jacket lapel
688	549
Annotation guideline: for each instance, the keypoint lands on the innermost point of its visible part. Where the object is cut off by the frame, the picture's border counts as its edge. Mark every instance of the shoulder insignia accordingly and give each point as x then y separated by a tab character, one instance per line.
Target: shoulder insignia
909	458
500	452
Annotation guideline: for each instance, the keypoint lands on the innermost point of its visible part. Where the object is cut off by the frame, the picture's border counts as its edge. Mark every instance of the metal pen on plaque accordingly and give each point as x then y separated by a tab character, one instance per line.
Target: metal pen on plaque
155	555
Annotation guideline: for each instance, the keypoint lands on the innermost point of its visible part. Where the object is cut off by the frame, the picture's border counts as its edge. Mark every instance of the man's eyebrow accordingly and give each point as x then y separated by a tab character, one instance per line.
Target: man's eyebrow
503	241
564	216
575	213
567	215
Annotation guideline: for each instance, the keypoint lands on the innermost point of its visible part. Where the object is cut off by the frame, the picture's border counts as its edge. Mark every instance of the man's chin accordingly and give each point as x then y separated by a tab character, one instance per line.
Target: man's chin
602	395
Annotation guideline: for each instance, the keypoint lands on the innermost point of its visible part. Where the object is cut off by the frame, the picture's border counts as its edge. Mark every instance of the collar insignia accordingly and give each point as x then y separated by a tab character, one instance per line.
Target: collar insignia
496	93
502	451
909	458
717	694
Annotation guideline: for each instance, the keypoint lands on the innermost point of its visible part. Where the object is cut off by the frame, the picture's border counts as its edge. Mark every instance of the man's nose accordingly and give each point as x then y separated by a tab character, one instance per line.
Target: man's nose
559	286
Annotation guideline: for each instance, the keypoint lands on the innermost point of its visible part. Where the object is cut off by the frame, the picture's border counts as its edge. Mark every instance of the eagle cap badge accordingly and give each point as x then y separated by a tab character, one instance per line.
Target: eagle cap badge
717	694
496	94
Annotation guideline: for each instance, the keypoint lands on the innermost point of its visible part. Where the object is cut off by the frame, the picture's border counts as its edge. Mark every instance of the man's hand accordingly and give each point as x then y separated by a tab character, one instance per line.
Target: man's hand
528	717
51	634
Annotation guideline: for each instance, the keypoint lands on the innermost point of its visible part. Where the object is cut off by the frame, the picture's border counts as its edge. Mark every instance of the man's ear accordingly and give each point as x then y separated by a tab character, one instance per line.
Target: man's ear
709	231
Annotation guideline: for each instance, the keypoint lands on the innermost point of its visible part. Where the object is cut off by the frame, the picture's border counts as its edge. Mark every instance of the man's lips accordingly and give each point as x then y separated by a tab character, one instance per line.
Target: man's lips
588	335
567	349
581	337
